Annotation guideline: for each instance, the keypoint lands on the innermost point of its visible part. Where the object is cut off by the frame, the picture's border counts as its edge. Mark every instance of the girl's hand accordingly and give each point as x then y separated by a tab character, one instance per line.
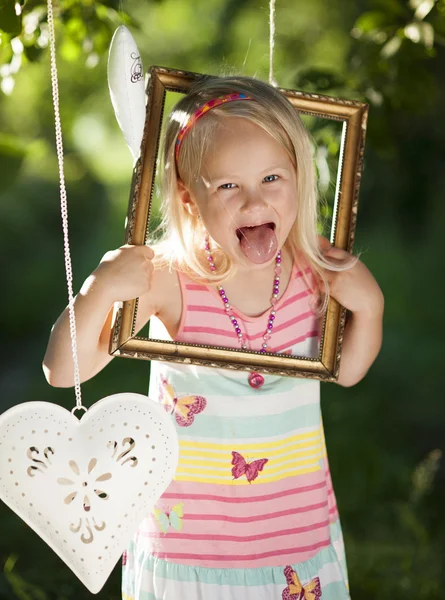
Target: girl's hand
356	288
125	273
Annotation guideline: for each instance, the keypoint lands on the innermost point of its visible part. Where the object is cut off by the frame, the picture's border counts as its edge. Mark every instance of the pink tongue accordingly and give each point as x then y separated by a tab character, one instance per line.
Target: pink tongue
259	243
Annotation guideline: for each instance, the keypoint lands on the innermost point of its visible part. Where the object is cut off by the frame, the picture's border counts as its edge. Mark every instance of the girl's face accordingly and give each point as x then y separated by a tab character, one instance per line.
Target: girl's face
246	193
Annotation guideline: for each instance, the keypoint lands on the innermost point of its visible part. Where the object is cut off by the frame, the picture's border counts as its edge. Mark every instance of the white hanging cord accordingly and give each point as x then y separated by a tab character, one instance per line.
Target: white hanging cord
271	42
63	206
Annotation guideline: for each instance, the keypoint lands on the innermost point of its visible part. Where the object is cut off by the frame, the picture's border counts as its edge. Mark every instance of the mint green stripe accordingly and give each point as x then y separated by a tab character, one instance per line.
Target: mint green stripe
335	530
333	591
337	534
230	383
246	577
254	426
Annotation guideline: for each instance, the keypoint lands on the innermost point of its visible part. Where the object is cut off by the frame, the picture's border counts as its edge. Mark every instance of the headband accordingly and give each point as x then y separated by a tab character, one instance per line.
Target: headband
202	110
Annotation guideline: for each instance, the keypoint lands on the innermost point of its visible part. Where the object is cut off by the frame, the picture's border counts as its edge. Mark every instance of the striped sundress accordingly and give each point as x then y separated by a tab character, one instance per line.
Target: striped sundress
251	512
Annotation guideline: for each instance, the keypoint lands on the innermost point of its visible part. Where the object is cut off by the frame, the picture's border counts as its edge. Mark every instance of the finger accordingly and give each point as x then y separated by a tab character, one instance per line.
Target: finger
324	242
336	253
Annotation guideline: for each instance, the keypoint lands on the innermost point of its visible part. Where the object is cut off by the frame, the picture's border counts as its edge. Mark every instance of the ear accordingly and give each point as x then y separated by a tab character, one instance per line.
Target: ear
186	199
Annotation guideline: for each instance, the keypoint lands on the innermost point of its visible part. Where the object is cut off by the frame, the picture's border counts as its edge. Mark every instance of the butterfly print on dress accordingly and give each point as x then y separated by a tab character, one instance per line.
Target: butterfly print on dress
296	591
184	408
170	518
249	469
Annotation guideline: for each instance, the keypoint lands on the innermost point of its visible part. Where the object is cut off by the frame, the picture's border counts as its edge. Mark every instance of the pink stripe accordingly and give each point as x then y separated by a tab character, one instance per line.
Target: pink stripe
256	518
295	298
231	334
255	558
210	331
297	319
238	538
235	528
245	508
216	498
297	340
297	482
205	308
196	287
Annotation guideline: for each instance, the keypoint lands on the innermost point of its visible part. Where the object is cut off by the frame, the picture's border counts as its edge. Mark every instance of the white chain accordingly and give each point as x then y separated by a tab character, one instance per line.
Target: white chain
271	41
63	206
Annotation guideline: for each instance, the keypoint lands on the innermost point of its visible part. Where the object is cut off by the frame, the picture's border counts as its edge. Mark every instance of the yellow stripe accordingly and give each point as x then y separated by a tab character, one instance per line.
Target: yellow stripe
277	469
244	447
228	458
127	597
203	454
243	481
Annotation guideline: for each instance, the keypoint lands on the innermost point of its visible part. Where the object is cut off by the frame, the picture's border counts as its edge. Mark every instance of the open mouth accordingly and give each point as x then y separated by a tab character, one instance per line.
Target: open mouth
241	231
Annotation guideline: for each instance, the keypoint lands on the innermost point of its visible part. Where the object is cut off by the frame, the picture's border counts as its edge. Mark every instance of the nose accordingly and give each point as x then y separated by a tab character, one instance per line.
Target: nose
253	201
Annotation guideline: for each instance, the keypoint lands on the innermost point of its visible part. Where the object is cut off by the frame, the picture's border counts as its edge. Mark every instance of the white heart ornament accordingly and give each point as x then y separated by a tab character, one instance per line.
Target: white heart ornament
85	485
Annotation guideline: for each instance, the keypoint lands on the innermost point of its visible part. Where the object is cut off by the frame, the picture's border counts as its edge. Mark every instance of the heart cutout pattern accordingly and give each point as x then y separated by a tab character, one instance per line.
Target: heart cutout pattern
85	485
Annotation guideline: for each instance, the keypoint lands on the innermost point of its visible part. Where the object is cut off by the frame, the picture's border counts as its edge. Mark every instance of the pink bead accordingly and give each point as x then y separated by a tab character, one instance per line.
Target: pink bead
256	380
278	270
266	337
273	301
213	268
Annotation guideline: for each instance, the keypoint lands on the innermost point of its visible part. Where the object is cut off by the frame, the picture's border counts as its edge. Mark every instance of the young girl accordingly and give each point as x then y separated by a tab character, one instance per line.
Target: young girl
251	512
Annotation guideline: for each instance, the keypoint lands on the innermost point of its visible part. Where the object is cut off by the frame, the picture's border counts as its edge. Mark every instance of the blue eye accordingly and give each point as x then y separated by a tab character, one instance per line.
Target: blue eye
227	186
270	178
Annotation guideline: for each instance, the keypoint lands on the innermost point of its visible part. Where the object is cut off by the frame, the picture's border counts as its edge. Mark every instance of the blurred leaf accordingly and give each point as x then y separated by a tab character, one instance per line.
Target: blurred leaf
23	590
369	21
70	50
9	21
422	7
5	49
420	32
391	47
76	29
12	153
319	79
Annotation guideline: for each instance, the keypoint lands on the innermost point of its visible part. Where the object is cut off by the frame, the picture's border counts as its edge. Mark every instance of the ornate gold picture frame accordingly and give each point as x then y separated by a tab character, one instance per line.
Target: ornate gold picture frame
352	118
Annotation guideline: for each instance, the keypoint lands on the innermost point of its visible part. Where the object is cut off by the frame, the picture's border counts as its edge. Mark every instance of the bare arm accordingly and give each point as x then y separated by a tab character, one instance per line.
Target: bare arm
361	344
357	290
123	274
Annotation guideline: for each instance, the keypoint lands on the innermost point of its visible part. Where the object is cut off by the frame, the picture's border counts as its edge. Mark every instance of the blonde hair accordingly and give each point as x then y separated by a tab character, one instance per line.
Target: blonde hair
181	244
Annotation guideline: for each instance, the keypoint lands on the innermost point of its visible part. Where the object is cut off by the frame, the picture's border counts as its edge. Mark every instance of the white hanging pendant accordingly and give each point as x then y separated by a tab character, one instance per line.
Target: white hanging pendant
127	89
85	485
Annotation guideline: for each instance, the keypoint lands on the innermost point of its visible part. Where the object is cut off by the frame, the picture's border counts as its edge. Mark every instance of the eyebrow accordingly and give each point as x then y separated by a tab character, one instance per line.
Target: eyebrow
229	176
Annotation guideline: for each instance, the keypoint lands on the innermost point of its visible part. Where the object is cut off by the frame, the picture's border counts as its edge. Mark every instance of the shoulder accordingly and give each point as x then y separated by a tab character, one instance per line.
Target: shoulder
164	299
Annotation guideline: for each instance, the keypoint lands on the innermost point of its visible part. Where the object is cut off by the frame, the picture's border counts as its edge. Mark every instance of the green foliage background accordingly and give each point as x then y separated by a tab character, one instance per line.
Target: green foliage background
385	434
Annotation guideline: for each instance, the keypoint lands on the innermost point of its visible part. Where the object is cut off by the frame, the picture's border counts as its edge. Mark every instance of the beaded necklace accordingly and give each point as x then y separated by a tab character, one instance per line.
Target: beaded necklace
256	380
